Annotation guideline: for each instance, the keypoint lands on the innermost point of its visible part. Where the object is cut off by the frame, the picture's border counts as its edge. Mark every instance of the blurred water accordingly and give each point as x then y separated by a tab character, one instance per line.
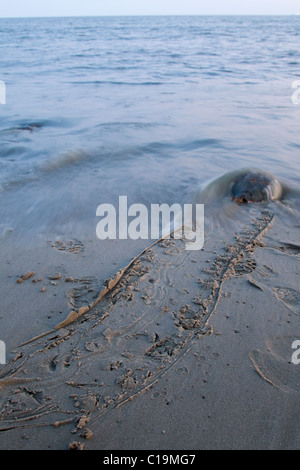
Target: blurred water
148	107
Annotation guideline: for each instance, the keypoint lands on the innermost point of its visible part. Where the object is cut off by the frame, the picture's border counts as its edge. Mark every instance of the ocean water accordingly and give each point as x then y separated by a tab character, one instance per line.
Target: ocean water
148	107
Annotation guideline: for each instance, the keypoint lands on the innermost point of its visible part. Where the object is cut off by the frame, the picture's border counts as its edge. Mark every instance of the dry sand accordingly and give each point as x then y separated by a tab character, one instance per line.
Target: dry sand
177	350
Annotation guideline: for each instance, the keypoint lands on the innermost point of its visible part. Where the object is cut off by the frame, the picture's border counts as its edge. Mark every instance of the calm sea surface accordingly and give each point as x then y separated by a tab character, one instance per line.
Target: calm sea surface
148	107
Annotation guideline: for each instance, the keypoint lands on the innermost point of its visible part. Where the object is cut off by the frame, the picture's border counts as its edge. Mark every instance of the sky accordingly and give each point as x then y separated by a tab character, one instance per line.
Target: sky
28	8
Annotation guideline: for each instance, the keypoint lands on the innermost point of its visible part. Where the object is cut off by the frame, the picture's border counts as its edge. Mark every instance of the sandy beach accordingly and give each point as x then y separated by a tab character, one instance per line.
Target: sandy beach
176	350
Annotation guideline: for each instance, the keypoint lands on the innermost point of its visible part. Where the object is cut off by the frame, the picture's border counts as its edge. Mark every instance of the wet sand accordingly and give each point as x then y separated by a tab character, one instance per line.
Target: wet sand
176	350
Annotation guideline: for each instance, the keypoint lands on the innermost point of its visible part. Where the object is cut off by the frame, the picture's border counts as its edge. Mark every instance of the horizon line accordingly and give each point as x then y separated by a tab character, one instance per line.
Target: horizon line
150	15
